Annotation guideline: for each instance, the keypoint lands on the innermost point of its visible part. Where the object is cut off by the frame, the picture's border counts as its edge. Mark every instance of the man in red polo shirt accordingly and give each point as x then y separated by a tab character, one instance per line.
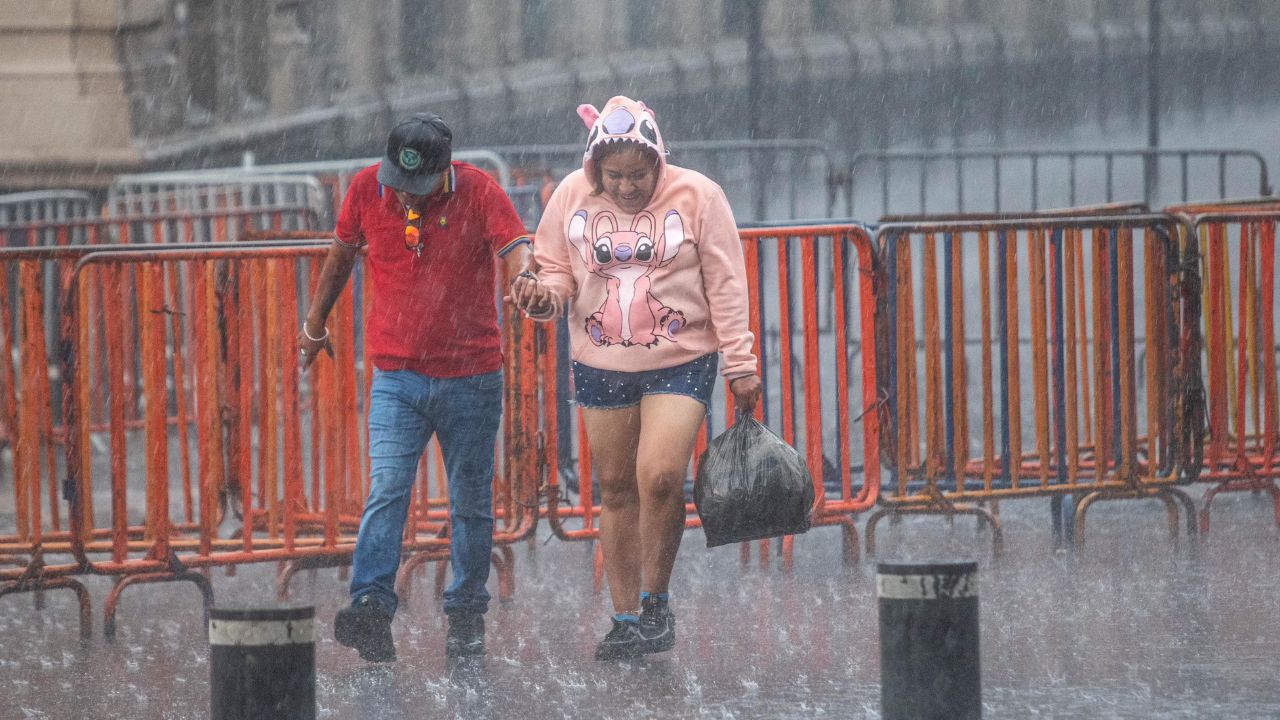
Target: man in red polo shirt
432	228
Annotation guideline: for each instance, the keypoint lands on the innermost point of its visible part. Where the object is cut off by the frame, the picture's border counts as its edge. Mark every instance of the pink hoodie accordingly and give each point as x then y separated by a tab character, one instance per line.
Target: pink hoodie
651	290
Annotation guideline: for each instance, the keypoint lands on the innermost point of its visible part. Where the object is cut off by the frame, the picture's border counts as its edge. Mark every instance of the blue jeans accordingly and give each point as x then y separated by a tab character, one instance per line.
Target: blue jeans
405	410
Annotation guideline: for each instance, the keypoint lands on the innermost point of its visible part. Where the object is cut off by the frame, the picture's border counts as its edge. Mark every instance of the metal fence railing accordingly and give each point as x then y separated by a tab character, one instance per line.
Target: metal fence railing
45	205
215	191
763	179
1029	179
320	185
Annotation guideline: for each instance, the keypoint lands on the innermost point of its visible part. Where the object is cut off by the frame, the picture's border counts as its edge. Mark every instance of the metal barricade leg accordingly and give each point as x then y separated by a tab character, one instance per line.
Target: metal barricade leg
291	568
44	584
404	584
113	598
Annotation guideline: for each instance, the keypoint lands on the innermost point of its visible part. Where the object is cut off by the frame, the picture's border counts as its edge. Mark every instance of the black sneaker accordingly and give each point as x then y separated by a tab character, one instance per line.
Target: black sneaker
657	625
366	627
465	636
623	641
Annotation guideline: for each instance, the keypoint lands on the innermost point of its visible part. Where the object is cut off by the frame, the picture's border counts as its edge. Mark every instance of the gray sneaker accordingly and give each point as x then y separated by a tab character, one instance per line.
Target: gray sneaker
623	641
657	625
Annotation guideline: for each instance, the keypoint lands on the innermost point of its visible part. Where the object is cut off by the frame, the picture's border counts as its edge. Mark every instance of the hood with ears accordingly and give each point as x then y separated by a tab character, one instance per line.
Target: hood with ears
621	120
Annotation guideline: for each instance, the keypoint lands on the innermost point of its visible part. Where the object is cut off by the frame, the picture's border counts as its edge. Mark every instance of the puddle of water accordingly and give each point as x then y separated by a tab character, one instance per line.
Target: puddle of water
1133	628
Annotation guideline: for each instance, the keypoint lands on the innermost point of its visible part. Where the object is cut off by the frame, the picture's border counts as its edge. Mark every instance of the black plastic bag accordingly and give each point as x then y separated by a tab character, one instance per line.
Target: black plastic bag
751	485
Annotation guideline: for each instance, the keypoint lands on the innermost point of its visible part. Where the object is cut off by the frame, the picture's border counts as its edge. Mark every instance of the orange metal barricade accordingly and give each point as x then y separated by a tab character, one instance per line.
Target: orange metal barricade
271	466
212	225
1089	320
1249	204
1237	242
812	298
239	430
178	366
37	544
214	328
27	410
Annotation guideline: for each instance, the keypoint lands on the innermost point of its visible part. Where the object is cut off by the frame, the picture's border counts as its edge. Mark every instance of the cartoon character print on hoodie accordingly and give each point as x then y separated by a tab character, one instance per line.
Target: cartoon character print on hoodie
626	259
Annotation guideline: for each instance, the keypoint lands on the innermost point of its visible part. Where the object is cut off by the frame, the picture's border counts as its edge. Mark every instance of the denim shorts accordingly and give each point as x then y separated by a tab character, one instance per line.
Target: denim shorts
613	389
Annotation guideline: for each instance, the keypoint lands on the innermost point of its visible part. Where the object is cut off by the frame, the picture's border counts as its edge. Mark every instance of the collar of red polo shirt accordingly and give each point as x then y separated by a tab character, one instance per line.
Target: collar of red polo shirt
413	218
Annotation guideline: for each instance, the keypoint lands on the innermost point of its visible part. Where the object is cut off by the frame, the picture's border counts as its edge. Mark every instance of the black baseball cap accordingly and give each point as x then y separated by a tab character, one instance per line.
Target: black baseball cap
419	151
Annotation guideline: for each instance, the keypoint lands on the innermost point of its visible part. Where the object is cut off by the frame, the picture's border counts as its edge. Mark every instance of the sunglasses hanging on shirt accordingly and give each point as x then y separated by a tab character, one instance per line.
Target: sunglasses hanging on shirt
413	231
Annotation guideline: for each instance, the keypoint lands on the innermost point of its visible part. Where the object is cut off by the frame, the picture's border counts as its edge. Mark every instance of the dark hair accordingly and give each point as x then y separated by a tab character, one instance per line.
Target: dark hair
609	149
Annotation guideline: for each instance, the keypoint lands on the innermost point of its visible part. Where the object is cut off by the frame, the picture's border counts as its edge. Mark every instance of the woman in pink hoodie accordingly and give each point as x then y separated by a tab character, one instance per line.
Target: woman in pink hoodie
645	257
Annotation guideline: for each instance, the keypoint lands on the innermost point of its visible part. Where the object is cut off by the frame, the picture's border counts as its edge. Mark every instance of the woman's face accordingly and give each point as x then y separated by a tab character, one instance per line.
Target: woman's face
629	177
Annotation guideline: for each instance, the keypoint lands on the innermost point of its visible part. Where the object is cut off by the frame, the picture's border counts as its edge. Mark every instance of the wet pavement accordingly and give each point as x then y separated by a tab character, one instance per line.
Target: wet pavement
1133	628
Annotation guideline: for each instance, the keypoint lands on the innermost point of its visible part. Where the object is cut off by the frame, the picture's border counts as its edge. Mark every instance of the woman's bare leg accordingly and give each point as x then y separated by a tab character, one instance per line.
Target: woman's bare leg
614	436
668	428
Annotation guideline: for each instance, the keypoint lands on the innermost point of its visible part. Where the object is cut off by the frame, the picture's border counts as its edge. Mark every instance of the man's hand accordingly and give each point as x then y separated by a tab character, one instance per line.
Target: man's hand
529	295
310	345
746	391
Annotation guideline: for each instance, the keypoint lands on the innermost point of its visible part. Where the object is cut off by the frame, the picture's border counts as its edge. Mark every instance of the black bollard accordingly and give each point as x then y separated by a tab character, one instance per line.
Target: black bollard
262	663
929	641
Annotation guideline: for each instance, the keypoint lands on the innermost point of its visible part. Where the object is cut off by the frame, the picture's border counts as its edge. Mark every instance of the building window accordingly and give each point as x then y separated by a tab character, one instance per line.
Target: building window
419	23
822	16
642	18
535	28
252	49
735	16
197	26
906	12
1116	9
971	11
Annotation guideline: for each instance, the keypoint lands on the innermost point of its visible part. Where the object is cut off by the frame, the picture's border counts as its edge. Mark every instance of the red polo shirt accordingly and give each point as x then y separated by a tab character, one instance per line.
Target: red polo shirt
435	314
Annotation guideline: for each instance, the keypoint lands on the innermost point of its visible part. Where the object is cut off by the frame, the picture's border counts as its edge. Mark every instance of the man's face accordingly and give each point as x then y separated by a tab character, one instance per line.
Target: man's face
417	202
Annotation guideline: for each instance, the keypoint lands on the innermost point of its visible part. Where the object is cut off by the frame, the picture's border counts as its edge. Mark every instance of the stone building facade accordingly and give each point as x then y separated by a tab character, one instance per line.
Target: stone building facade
93	87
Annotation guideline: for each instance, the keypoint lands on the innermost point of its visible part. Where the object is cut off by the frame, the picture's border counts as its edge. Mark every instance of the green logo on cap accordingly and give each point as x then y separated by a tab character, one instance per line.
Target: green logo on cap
410	159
